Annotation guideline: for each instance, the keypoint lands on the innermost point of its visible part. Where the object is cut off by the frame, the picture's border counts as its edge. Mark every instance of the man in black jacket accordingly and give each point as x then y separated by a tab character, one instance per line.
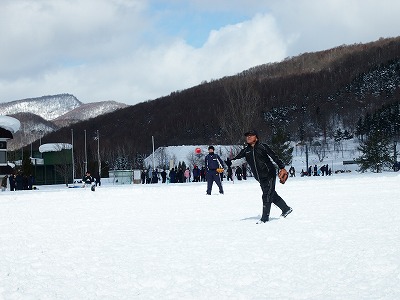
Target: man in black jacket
213	162
87	179
258	156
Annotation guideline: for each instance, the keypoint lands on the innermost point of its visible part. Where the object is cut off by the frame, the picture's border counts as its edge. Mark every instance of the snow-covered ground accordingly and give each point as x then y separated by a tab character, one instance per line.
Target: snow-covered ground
171	241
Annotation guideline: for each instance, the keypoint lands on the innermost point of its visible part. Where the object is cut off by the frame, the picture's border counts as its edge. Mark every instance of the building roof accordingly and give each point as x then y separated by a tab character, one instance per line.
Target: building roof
55	147
9	123
8	126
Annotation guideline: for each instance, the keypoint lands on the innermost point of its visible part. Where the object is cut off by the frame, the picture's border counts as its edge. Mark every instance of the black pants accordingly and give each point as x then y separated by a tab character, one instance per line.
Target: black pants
212	176
270	196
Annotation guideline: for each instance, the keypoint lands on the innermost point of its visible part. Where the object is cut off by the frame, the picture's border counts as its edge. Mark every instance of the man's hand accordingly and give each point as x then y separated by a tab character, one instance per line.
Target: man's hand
283	175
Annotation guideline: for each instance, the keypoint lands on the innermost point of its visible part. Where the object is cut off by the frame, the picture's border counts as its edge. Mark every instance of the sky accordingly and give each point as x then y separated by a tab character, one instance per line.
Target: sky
132	51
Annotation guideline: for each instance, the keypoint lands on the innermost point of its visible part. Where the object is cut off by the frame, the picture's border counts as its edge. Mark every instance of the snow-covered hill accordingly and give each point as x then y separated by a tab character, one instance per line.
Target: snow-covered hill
88	111
47	107
32	128
39	116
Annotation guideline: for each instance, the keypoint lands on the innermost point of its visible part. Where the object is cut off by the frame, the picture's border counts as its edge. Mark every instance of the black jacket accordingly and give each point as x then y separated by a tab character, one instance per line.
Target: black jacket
259	158
87	179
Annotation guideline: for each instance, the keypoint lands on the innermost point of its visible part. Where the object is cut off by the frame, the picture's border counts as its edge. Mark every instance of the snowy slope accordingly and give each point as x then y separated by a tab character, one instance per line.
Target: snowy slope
171	241
47	107
39	116
87	111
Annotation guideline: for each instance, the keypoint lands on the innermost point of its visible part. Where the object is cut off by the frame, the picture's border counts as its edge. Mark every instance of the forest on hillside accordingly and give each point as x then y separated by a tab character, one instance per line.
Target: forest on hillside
307	98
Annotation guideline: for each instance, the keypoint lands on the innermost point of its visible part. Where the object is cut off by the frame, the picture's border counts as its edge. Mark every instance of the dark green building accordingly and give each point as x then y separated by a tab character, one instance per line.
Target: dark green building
55	166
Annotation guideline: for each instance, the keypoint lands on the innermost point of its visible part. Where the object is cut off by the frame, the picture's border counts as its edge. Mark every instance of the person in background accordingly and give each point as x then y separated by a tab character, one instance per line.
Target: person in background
4	183
213	162
143	176
292	172
98	180
180	176
238	173
19	182
12	182
187	175
154	178
87	179
258	155
172	175
196	174
229	174
31	182
163	176
203	174
244	171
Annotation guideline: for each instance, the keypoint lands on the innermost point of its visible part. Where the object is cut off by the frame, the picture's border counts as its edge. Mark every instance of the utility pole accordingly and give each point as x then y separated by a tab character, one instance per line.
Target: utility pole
307	156
98	152
152	139
85	153
72	156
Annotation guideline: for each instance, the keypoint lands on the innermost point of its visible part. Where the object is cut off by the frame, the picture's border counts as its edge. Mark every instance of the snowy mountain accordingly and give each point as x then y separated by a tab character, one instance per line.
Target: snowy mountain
33	127
47	107
87	111
42	115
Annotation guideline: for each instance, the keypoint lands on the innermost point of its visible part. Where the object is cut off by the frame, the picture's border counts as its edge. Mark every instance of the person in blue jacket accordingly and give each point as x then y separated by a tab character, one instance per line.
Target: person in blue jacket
212	163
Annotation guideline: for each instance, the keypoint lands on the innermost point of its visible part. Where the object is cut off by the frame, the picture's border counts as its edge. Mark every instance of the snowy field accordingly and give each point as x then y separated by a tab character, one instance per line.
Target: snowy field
161	241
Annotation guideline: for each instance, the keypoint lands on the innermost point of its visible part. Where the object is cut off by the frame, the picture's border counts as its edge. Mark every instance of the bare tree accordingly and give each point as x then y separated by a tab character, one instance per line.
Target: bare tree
195	159
318	148
162	158
241	107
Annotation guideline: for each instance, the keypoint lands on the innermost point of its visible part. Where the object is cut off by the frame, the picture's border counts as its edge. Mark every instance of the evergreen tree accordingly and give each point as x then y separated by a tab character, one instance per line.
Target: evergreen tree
280	144
347	135
375	153
338	135
360	128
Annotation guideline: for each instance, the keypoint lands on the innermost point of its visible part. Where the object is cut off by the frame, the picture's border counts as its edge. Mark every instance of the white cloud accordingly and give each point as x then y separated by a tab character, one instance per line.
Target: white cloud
146	73
325	24
50	34
111	49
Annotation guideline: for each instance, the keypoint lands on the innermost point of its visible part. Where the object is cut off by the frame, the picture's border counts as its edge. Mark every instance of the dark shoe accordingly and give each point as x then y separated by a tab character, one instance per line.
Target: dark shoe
263	220
208	193
221	193
287	212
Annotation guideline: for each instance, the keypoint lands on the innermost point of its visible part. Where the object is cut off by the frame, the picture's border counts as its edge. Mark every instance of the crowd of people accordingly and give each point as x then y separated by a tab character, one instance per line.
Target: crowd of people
196	174
17	182
180	175
315	171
